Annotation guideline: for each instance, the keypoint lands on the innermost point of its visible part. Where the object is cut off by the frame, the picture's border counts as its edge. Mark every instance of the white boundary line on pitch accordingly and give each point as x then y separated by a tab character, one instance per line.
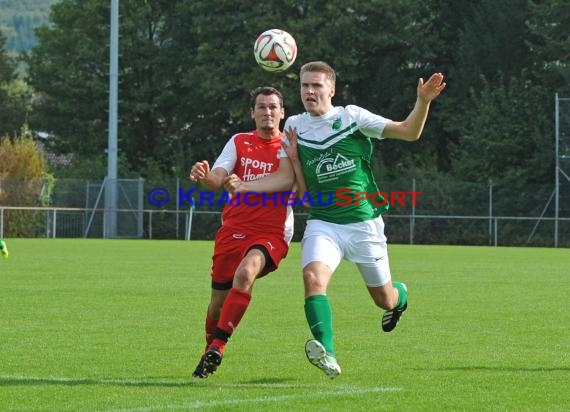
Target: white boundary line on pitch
343	391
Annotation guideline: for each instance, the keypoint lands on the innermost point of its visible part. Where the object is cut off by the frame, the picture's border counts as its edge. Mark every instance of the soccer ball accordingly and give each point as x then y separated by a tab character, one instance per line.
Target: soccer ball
275	50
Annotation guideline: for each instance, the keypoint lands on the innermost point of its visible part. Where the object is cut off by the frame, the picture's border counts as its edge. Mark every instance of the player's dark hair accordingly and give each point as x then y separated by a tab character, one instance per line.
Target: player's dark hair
319	67
266	91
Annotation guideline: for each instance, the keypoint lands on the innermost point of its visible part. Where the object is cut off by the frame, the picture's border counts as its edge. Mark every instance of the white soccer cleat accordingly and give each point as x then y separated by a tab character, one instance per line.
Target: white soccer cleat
318	356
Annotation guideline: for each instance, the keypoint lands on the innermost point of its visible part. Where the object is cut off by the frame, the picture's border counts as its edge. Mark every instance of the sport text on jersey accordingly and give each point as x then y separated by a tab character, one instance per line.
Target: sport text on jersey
255	169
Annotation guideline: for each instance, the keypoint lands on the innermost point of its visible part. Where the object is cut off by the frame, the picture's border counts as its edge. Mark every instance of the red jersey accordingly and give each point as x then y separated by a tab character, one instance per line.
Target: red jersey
250	157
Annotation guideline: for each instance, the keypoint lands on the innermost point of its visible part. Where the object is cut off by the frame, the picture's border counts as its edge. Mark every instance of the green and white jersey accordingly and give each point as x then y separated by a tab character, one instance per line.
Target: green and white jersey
335	151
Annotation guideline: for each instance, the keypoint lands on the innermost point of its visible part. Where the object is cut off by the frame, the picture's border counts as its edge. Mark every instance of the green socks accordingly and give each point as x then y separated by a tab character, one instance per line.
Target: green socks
319	317
402	294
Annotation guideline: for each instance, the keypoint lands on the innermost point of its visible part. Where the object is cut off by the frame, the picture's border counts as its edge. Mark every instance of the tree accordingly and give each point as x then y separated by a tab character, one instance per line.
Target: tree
211	47
24	181
379	49
15	95
186	70
478	43
6	62
509	142
550	44
18	20
69	68
492	43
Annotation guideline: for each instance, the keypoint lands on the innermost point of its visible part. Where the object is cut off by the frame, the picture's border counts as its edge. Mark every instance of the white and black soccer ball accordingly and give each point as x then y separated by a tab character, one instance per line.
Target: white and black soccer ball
275	50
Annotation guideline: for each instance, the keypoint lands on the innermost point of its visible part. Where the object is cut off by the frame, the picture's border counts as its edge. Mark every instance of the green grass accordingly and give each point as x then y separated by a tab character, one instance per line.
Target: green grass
95	325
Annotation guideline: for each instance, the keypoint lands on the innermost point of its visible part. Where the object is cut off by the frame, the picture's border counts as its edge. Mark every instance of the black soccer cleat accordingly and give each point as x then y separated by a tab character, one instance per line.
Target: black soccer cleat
200	371
391	317
212	359
208	364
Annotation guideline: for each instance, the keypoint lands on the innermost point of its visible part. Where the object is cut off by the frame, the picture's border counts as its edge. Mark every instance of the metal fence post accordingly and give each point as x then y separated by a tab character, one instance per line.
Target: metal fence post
140	215
47	225
490	212
557	165
54	224
413	215
189	217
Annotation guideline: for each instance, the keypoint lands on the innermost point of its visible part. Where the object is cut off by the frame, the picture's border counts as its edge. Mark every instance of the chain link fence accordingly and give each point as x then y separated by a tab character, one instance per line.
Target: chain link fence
422	211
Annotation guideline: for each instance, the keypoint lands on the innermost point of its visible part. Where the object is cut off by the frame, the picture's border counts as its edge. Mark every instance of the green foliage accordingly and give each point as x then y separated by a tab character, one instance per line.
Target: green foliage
15	95
491	44
510	138
15	107
550	43
212	46
6	62
186	69
69	72
18	20
21	158
482	43
24	181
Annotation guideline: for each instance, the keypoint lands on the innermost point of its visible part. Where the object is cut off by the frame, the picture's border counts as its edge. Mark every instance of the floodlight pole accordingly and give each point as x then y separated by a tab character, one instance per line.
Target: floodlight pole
110	222
557	171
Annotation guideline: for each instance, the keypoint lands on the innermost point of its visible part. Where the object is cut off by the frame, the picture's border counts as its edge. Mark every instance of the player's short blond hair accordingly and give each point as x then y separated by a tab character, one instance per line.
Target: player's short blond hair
319	67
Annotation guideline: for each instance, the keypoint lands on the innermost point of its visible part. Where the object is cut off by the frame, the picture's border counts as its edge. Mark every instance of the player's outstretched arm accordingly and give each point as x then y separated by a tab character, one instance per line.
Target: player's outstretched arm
411	128
280	181
211	179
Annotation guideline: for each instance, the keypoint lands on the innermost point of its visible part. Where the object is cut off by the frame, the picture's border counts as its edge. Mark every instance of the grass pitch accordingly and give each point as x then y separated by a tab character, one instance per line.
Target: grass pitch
96	325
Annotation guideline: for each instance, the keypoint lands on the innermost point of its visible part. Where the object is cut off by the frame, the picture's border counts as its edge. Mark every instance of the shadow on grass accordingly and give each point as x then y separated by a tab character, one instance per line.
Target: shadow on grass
140	382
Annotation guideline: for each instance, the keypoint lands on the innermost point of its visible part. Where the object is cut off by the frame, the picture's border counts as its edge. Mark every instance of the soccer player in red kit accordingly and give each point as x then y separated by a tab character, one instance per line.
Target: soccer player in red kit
256	228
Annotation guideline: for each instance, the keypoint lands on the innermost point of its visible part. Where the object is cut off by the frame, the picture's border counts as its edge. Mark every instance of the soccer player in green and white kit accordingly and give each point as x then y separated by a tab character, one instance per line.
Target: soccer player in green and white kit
334	150
3	249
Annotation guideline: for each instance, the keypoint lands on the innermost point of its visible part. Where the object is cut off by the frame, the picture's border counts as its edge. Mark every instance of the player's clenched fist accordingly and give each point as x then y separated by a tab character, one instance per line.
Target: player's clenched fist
199	171
232	184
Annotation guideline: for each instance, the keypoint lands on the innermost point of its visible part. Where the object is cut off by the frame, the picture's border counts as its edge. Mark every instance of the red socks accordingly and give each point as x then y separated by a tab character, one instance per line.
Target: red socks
234	308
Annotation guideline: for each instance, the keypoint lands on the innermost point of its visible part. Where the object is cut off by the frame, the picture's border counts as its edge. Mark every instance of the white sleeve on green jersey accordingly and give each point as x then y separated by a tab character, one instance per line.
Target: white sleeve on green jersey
372	125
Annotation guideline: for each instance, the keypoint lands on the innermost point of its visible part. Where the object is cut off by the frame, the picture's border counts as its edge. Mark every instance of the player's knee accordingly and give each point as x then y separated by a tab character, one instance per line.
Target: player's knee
245	276
313	280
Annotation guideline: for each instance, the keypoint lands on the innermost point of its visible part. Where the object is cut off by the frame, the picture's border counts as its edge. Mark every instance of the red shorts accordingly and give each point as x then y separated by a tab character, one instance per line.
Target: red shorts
231	246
